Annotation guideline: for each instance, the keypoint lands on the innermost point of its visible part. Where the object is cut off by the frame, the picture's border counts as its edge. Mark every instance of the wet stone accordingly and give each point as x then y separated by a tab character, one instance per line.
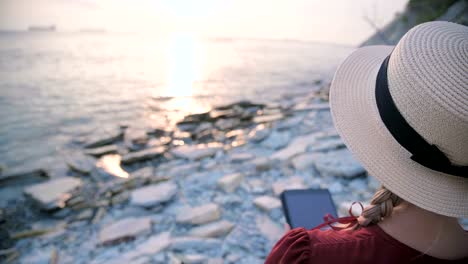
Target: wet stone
258	134
290	123
23	177
100	151
80	163
214	229
151	246
110	164
51	194
196	152
230	182
241	157
104	138
311	107
199	215
135	136
277	140
143	155
124	229
227	124
268	118
153	195
267	203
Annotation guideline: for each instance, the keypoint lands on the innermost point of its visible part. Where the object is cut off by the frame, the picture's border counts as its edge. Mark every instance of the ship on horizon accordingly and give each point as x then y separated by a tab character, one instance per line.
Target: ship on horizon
50	28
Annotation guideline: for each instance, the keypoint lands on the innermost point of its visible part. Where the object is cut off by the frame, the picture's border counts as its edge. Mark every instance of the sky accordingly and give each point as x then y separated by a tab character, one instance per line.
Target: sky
332	21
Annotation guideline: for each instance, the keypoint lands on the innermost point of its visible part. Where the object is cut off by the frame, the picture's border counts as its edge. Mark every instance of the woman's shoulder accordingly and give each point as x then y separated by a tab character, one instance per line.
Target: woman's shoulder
365	245
301	246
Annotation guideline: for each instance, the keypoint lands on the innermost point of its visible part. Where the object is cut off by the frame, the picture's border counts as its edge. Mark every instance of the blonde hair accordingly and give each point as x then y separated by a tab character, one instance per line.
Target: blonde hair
381	206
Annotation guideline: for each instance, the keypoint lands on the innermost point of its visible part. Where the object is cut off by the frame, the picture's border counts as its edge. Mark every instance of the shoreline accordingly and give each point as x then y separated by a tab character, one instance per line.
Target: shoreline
205	192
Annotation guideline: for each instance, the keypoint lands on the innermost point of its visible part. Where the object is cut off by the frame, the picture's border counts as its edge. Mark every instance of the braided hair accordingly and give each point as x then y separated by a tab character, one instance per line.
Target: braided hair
381	206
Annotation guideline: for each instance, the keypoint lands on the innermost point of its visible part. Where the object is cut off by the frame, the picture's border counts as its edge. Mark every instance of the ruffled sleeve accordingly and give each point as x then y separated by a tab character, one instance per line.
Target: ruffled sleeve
293	247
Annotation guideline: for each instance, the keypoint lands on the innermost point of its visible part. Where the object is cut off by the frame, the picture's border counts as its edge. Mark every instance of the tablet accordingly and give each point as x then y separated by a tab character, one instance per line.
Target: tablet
306	208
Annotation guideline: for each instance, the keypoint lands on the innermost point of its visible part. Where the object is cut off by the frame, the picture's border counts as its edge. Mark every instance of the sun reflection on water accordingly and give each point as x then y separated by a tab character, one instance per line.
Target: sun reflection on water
185	59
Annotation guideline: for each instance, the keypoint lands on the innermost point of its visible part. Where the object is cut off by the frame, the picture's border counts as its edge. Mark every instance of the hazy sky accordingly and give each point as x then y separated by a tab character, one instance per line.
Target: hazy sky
338	21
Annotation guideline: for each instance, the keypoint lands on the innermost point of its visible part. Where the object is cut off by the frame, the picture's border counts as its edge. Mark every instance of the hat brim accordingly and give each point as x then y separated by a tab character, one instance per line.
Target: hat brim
356	117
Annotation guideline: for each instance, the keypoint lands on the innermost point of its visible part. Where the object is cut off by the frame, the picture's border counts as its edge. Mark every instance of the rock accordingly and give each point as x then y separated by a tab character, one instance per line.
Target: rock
267	203
194	243
50	195
259	133
338	163
257	186
290	123
23	177
303	161
262	163
100	151
336	187
359	185
326	144
84	215
153	195
227	124
215	261
297	146
268	228
79	162
235	134
246	237
196	152
182	135
200	214
158	142
230	182
143	155
104	138
37	257
193	259
268	118
214	229
240	104
311	107
277	140
241	157
153	245
373	183
110	164
124	229
135	136
293	183
144	173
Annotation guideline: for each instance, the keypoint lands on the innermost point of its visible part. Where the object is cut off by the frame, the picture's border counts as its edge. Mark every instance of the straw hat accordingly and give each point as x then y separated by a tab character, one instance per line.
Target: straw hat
403	112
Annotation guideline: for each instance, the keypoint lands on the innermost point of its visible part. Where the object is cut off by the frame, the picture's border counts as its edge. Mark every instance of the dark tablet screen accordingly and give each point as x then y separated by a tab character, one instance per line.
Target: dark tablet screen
306	208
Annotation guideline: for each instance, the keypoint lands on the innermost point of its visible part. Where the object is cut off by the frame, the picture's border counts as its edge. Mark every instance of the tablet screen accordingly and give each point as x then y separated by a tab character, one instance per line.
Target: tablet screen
306	208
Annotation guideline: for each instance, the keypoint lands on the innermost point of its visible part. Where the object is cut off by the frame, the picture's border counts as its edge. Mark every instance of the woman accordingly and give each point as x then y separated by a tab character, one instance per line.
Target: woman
403	112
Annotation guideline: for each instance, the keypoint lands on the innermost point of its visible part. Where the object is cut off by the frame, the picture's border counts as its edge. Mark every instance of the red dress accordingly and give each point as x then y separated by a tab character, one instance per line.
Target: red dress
366	245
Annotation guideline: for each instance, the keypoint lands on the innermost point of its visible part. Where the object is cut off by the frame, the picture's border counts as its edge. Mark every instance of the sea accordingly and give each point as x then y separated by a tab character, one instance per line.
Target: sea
57	87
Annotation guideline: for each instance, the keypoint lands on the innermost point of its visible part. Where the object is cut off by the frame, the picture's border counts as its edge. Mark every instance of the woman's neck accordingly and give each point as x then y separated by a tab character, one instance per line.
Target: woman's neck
433	234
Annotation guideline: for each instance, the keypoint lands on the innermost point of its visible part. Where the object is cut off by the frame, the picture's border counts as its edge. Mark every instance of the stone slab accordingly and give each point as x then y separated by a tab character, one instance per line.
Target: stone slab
153	195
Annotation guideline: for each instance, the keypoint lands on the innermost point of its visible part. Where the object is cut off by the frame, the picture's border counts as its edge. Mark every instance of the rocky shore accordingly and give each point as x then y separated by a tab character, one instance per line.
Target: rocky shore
204	192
